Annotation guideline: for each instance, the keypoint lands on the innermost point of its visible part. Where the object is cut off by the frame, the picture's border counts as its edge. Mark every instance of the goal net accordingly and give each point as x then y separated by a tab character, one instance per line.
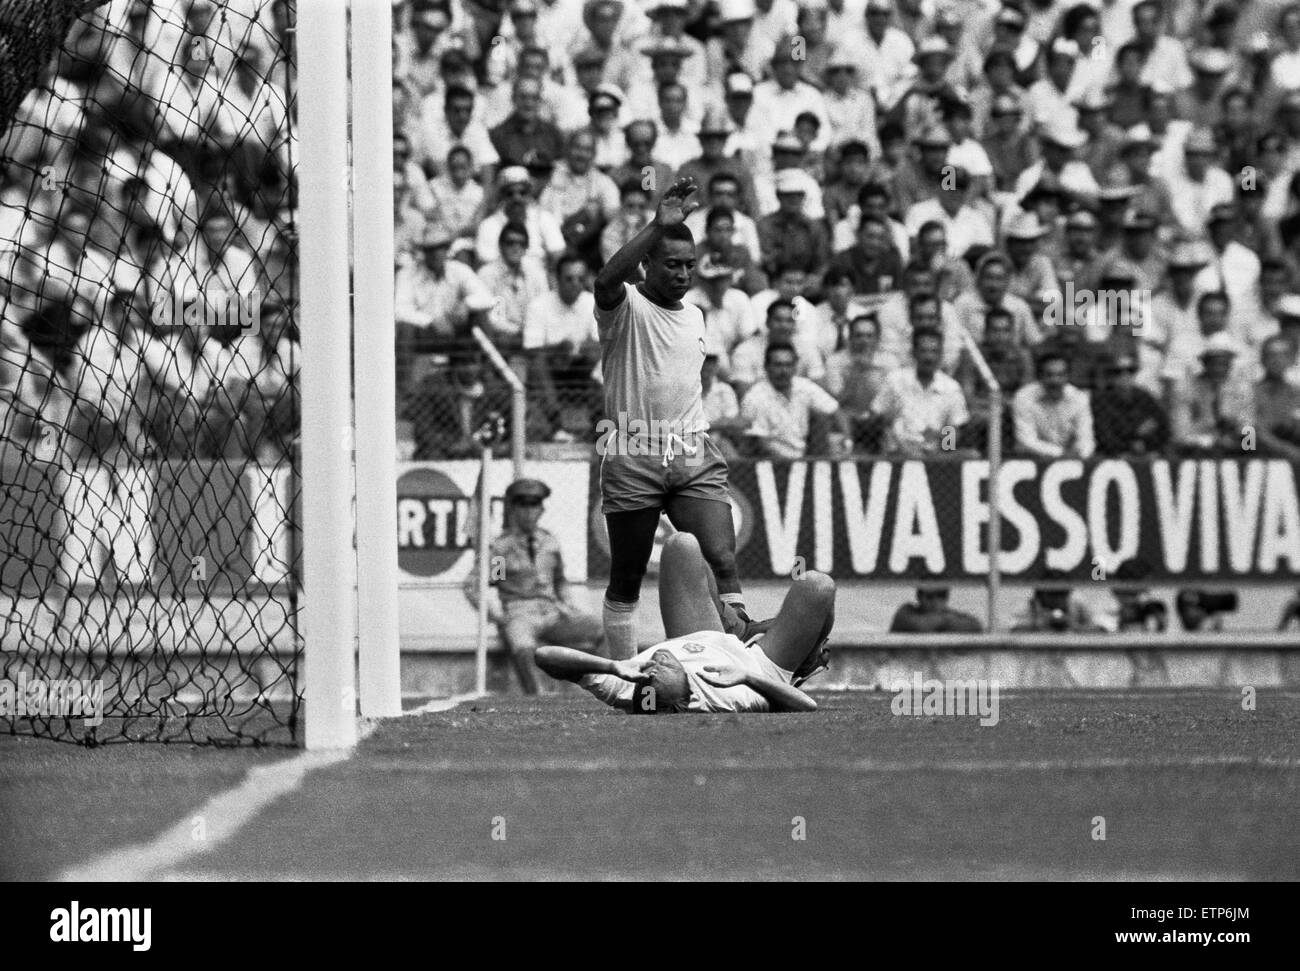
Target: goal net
149	372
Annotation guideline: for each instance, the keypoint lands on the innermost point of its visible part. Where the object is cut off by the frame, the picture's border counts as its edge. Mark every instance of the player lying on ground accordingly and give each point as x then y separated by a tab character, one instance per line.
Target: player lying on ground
701	667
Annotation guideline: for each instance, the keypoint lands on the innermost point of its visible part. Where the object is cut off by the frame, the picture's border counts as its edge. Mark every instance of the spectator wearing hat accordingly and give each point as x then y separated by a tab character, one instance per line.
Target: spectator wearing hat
966	70
967	221
667	34
737	47
1051	99
1058	144
1127	418
1201	184
1104	137
921	408
992	282
930	614
1200	103
919	105
746	142
1234	269
1033	277
855	375
1138	248
850	107
728	316
922	175
1078	262
447	120
787	235
1009	149
789	152
886	51
515	203
524	129
1053	418
667	59
514	279
603	108
1211	410
1163	56
779	100
1175	320
643	163
714	131
1151	191
536	607
575	108
446	407
1277	402
457	198
778	410
435	298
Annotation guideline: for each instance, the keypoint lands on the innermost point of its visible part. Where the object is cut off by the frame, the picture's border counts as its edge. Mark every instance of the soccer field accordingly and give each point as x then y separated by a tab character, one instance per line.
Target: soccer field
1186	784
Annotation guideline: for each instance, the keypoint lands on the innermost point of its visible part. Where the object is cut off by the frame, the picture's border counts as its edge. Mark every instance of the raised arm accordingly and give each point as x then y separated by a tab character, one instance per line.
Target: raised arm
674	207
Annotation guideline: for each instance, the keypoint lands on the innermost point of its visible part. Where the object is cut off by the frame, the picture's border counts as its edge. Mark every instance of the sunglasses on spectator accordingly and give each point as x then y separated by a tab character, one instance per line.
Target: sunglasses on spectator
513	241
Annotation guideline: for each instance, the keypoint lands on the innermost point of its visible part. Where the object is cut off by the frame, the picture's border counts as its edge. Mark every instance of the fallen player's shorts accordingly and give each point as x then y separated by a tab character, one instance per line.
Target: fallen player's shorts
692	466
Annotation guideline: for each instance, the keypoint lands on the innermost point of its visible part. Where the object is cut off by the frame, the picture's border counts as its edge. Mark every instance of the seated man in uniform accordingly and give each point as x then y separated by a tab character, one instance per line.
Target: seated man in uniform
528	573
701	668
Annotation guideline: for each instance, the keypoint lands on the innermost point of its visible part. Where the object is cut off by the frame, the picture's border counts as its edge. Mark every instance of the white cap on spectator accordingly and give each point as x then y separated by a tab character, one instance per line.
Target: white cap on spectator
514	174
1210	60
480	302
739	83
1288	305
730	11
1065	47
792	181
1220	343
1063	133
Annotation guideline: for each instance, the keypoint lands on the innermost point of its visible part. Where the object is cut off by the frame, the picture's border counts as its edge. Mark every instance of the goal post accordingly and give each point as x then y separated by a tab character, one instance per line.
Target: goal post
329	610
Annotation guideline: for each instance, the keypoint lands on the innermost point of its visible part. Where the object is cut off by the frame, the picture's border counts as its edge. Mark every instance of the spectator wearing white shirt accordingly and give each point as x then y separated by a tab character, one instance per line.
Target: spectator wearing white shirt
1234	270
721	408
739	47
749	356
1201	184
447	121
678	142
728	318
778	410
923	409
888	52
849	105
779	101
577	186
514	280
457	198
1053	419
724	193
563	347
966	222
1164	57
515	191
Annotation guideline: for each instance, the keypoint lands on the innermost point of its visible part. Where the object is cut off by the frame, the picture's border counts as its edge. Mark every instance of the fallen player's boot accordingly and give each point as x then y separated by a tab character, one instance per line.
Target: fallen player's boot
815	663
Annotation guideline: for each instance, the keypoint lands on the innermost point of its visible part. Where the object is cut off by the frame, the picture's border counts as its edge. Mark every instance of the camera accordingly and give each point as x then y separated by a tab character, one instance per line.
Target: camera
1197	607
1145	613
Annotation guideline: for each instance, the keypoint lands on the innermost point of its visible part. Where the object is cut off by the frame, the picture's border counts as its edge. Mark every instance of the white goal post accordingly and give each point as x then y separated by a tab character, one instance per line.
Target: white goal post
336	618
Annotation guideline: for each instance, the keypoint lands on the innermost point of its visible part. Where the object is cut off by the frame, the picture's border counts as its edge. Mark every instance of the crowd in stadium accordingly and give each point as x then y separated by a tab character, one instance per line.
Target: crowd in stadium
147	271
1103	199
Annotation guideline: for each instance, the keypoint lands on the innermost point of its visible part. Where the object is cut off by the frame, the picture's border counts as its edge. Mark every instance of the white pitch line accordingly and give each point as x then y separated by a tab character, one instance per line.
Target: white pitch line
860	766
223	815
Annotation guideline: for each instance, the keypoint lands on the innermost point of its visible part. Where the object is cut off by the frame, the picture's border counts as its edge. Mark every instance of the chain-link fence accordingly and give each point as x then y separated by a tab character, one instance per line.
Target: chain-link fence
148	368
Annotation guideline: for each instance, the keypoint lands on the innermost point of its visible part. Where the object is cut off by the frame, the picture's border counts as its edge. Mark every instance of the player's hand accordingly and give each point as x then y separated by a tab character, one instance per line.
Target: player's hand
726	675
675	204
632	671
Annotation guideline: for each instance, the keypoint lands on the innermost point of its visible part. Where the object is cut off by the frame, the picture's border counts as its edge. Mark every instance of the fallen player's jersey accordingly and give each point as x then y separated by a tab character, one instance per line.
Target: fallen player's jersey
707	648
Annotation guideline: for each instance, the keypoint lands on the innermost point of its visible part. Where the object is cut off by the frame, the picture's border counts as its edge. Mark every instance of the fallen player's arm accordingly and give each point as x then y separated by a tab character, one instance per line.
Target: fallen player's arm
568	664
778	694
